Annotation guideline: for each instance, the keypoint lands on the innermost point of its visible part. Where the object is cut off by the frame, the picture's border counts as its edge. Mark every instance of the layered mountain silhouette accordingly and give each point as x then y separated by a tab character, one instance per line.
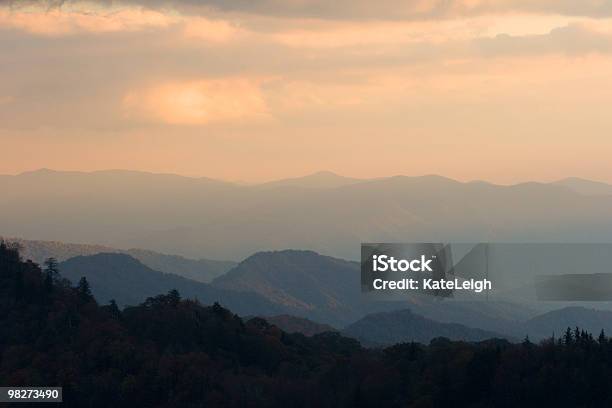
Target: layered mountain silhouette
323	288
280	286
321	179
127	281
203	218
408	325
172	351
298	283
300	279
294	324
502	317
587	187
201	270
557	321
402	326
301	291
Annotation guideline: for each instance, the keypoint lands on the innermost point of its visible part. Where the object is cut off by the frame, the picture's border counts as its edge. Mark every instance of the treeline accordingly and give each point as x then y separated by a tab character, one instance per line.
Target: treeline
172	352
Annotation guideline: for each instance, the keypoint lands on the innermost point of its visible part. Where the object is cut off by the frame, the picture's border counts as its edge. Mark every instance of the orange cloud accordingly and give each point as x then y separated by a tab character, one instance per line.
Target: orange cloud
71	21
337	34
211	30
57	22
198	102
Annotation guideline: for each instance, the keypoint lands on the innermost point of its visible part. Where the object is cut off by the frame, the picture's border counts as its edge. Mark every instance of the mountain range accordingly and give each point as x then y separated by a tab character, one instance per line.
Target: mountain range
205	218
172	351
298	283
385	329
556	322
301	291
586	187
321	179
201	270
126	280
293	324
279	286
327	288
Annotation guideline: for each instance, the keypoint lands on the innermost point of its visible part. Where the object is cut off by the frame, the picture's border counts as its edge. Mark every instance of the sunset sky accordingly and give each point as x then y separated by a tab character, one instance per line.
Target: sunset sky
500	90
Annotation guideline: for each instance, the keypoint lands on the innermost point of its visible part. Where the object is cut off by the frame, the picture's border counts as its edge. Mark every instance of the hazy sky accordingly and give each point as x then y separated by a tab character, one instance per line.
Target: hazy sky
502	90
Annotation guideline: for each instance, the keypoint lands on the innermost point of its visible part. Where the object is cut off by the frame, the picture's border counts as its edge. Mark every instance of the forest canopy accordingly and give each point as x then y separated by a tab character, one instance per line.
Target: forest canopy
174	352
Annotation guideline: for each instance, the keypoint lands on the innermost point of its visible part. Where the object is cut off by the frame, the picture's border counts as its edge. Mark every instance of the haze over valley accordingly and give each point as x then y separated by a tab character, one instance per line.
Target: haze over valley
330	214
285	250
302	291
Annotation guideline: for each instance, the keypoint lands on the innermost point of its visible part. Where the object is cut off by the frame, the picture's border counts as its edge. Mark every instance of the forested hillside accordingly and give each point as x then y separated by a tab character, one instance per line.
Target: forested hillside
169	352
129	282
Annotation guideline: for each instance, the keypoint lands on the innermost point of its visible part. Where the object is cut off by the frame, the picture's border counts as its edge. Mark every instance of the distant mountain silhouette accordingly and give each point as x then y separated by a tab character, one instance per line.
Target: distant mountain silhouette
39	251
321	179
495	316
328	290
586	187
303	284
129	282
557	321
323	288
201	270
198	217
293	324
401	326
293	285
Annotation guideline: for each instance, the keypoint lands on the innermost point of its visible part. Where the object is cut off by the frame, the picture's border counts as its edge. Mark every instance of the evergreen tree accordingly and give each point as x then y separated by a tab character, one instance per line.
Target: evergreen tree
114	309
526	341
567	338
217	308
84	290
51	272
174	297
576	334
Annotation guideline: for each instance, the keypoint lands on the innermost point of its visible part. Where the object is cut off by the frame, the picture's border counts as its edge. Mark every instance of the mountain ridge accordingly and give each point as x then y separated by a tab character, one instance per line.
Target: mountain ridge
403	326
202	270
319	179
297	180
129	282
558	320
197	219
300	275
585	186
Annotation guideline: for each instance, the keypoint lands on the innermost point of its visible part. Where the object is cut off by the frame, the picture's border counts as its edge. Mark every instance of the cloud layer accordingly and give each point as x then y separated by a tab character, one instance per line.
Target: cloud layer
358	9
197	102
263	89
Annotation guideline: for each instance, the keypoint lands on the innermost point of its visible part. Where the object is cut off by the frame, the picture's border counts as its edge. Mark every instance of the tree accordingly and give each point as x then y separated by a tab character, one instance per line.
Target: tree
567	338
576	334
602	337
51	272
114	309
526	342
84	290
174	297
